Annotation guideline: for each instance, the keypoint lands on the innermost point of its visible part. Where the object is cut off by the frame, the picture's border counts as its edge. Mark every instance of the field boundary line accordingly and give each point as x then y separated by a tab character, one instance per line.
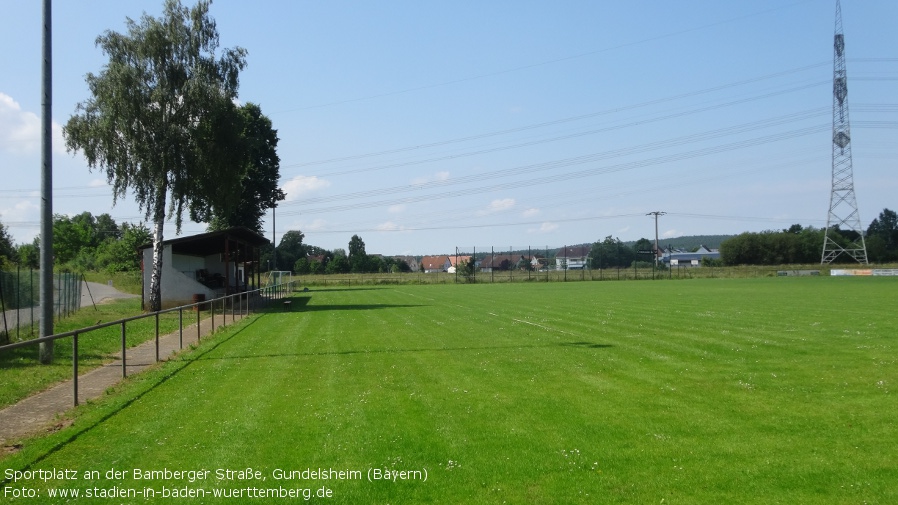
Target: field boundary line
547	328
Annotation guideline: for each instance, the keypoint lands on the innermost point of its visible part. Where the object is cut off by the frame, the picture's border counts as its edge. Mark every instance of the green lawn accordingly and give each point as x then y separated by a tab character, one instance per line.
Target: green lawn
764	391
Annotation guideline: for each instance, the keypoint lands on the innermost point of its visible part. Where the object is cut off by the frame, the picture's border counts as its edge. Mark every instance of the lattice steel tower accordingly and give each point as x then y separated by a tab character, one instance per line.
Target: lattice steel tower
843	213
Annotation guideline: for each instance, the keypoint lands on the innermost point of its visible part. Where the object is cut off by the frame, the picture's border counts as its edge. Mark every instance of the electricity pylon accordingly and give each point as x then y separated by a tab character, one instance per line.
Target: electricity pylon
843	214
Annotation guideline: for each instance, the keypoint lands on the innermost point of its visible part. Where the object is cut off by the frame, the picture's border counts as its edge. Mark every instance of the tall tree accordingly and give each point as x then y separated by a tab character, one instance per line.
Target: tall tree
884	232
358	258
7	251
290	249
71	235
159	119
610	252
259	187
121	255
29	254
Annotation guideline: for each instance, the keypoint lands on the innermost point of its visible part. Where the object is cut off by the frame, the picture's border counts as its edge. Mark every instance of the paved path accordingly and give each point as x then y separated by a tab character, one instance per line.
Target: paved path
91	293
39	413
95	292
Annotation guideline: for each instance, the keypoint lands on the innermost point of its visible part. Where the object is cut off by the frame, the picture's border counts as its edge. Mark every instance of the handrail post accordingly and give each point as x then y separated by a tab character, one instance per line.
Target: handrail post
180	327
124	369
75	366
157	337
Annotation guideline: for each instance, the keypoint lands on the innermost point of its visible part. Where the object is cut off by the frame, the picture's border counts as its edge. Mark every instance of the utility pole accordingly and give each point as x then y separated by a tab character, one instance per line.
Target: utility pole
46	254
656	214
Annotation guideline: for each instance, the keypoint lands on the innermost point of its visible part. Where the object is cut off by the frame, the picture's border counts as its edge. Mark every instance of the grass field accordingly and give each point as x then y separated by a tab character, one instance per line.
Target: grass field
703	391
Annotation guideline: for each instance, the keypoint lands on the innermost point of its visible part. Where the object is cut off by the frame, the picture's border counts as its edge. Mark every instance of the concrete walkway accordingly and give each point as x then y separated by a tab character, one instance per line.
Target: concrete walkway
92	293
40	412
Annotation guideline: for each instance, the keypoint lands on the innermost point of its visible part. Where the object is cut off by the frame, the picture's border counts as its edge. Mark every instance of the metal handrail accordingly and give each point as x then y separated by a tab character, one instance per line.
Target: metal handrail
275	292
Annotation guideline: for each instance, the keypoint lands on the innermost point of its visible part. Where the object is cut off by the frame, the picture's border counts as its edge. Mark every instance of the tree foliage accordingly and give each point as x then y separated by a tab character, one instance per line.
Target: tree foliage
882	237
795	245
160	119
7	250
259	185
290	249
611	253
358	258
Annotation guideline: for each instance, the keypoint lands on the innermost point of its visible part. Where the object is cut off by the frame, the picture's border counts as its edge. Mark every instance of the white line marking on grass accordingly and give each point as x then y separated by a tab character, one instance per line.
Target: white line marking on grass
547	328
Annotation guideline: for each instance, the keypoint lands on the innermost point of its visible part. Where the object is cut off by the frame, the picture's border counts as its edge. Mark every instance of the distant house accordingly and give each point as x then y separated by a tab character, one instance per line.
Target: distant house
435	264
676	258
209	265
501	262
411	261
455	261
572	258
538	263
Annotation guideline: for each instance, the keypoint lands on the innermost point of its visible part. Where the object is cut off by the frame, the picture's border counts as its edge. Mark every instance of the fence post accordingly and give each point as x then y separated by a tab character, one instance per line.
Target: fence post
31	296
198	323
124	370
180	327
75	365
18	299
3	310
58	298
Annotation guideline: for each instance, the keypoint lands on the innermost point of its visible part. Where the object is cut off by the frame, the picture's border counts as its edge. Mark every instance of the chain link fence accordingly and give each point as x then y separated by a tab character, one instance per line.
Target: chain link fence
20	301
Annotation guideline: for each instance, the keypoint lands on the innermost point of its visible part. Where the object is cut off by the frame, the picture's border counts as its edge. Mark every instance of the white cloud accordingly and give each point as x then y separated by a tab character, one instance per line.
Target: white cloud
22	210
316	225
20	130
303	226
531	212
499	205
437	177
671	234
396	209
302	184
98	183
22	220
546	227
388	226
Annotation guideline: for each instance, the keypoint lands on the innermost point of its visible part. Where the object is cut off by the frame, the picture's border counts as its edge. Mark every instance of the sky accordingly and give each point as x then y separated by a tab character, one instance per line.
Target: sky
424	127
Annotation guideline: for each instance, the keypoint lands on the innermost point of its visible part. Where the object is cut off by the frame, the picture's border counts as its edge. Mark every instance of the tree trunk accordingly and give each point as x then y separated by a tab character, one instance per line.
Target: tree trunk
156	275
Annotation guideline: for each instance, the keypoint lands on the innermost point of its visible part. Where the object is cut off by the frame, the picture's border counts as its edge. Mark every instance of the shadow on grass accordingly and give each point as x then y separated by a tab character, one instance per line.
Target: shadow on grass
364	306
586	345
332	290
175	365
301	304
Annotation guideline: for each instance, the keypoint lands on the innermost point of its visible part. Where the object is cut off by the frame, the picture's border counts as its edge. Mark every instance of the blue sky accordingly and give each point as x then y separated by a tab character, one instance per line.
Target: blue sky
426	126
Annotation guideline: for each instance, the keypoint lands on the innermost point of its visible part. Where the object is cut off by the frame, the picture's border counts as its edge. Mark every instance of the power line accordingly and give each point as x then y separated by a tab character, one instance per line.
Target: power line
547	62
574	175
558	121
604	155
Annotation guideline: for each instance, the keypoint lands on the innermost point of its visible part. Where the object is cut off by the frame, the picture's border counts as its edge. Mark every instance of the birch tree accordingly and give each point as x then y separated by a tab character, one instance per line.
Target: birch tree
157	120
